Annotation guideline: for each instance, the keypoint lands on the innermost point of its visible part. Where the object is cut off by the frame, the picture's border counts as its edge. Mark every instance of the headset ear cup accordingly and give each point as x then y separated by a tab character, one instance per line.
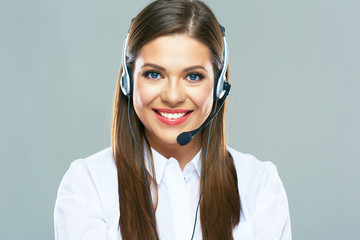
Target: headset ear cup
130	90
126	82
123	84
216	87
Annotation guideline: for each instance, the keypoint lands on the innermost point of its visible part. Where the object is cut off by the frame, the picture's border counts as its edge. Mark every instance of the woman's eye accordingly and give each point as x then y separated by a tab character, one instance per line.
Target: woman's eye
194	77
152	75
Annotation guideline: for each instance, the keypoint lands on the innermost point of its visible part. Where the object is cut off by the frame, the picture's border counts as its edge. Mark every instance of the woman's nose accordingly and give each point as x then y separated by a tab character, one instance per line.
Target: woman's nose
173	93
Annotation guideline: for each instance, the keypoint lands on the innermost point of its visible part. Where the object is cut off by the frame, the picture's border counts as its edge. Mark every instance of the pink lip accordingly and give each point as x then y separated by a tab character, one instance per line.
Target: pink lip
168	121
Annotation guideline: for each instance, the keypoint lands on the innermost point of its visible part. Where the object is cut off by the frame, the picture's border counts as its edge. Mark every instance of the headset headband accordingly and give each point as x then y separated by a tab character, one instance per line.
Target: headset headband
221	85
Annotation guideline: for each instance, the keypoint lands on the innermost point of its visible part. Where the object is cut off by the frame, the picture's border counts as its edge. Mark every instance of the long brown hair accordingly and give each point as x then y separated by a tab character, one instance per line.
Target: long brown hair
220	205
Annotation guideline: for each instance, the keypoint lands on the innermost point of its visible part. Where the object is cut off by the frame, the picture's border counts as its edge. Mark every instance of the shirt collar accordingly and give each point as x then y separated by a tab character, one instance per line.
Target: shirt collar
160	163
196	161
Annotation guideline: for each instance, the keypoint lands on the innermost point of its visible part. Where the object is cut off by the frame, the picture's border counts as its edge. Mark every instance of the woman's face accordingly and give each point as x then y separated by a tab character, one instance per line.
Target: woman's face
173	87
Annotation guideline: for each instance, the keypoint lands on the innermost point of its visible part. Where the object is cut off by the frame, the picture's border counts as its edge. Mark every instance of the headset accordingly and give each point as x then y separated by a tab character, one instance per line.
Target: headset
221	91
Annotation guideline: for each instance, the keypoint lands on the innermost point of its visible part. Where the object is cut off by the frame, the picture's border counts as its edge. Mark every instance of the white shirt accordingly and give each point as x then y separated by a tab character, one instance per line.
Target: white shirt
87	205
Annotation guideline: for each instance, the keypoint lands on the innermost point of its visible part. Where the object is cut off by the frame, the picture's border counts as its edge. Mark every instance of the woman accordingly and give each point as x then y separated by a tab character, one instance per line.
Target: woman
148	186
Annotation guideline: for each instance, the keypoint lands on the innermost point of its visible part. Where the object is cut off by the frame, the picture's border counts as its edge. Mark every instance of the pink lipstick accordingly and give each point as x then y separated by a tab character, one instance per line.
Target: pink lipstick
172	116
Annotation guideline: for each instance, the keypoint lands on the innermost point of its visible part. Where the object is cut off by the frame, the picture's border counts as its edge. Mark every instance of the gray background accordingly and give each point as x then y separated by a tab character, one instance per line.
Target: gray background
295	70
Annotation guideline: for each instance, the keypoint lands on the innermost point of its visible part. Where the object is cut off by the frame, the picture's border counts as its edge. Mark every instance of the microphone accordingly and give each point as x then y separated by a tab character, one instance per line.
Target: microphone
185	137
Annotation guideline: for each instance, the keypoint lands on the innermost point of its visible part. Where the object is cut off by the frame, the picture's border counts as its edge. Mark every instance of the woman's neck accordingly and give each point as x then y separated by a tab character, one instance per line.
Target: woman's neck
183	154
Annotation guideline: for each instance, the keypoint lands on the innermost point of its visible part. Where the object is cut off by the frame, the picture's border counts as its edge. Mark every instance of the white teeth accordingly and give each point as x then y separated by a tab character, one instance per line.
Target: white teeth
172	115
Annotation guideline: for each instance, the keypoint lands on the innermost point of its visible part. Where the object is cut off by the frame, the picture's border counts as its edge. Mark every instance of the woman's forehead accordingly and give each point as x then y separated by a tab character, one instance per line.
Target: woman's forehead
177	51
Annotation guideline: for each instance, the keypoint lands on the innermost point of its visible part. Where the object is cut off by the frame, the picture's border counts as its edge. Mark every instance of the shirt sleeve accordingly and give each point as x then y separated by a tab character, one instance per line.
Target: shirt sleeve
271	217
78	213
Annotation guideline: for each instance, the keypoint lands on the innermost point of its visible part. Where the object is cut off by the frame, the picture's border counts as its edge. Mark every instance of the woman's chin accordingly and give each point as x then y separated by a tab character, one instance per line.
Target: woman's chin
163	140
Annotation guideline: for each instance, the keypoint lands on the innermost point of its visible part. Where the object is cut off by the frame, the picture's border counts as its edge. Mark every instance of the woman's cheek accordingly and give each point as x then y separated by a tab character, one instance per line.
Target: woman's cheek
144	93
203	98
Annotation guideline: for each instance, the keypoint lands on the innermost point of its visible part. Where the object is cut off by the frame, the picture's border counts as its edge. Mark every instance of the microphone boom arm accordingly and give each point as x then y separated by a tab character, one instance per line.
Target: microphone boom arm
185	137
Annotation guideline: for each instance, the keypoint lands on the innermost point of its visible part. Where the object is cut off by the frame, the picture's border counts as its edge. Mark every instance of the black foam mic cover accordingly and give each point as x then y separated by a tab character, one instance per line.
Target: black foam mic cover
184	138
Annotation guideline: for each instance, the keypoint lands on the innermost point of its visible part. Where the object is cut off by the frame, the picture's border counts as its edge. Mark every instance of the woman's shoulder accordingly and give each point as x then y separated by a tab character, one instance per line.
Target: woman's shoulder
102	157
250	170
88	192
94	165
98	170
263	197
257	180
98	167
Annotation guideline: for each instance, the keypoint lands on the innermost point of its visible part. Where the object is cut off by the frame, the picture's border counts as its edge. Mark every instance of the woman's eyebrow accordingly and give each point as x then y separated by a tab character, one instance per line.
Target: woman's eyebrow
194	67
163	69
153	65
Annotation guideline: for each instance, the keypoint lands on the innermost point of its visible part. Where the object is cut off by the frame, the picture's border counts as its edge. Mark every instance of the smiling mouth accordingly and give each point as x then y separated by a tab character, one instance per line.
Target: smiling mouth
173	115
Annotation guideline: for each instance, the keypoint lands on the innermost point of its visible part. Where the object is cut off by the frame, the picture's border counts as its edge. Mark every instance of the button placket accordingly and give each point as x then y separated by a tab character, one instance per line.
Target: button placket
179	200
188	172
